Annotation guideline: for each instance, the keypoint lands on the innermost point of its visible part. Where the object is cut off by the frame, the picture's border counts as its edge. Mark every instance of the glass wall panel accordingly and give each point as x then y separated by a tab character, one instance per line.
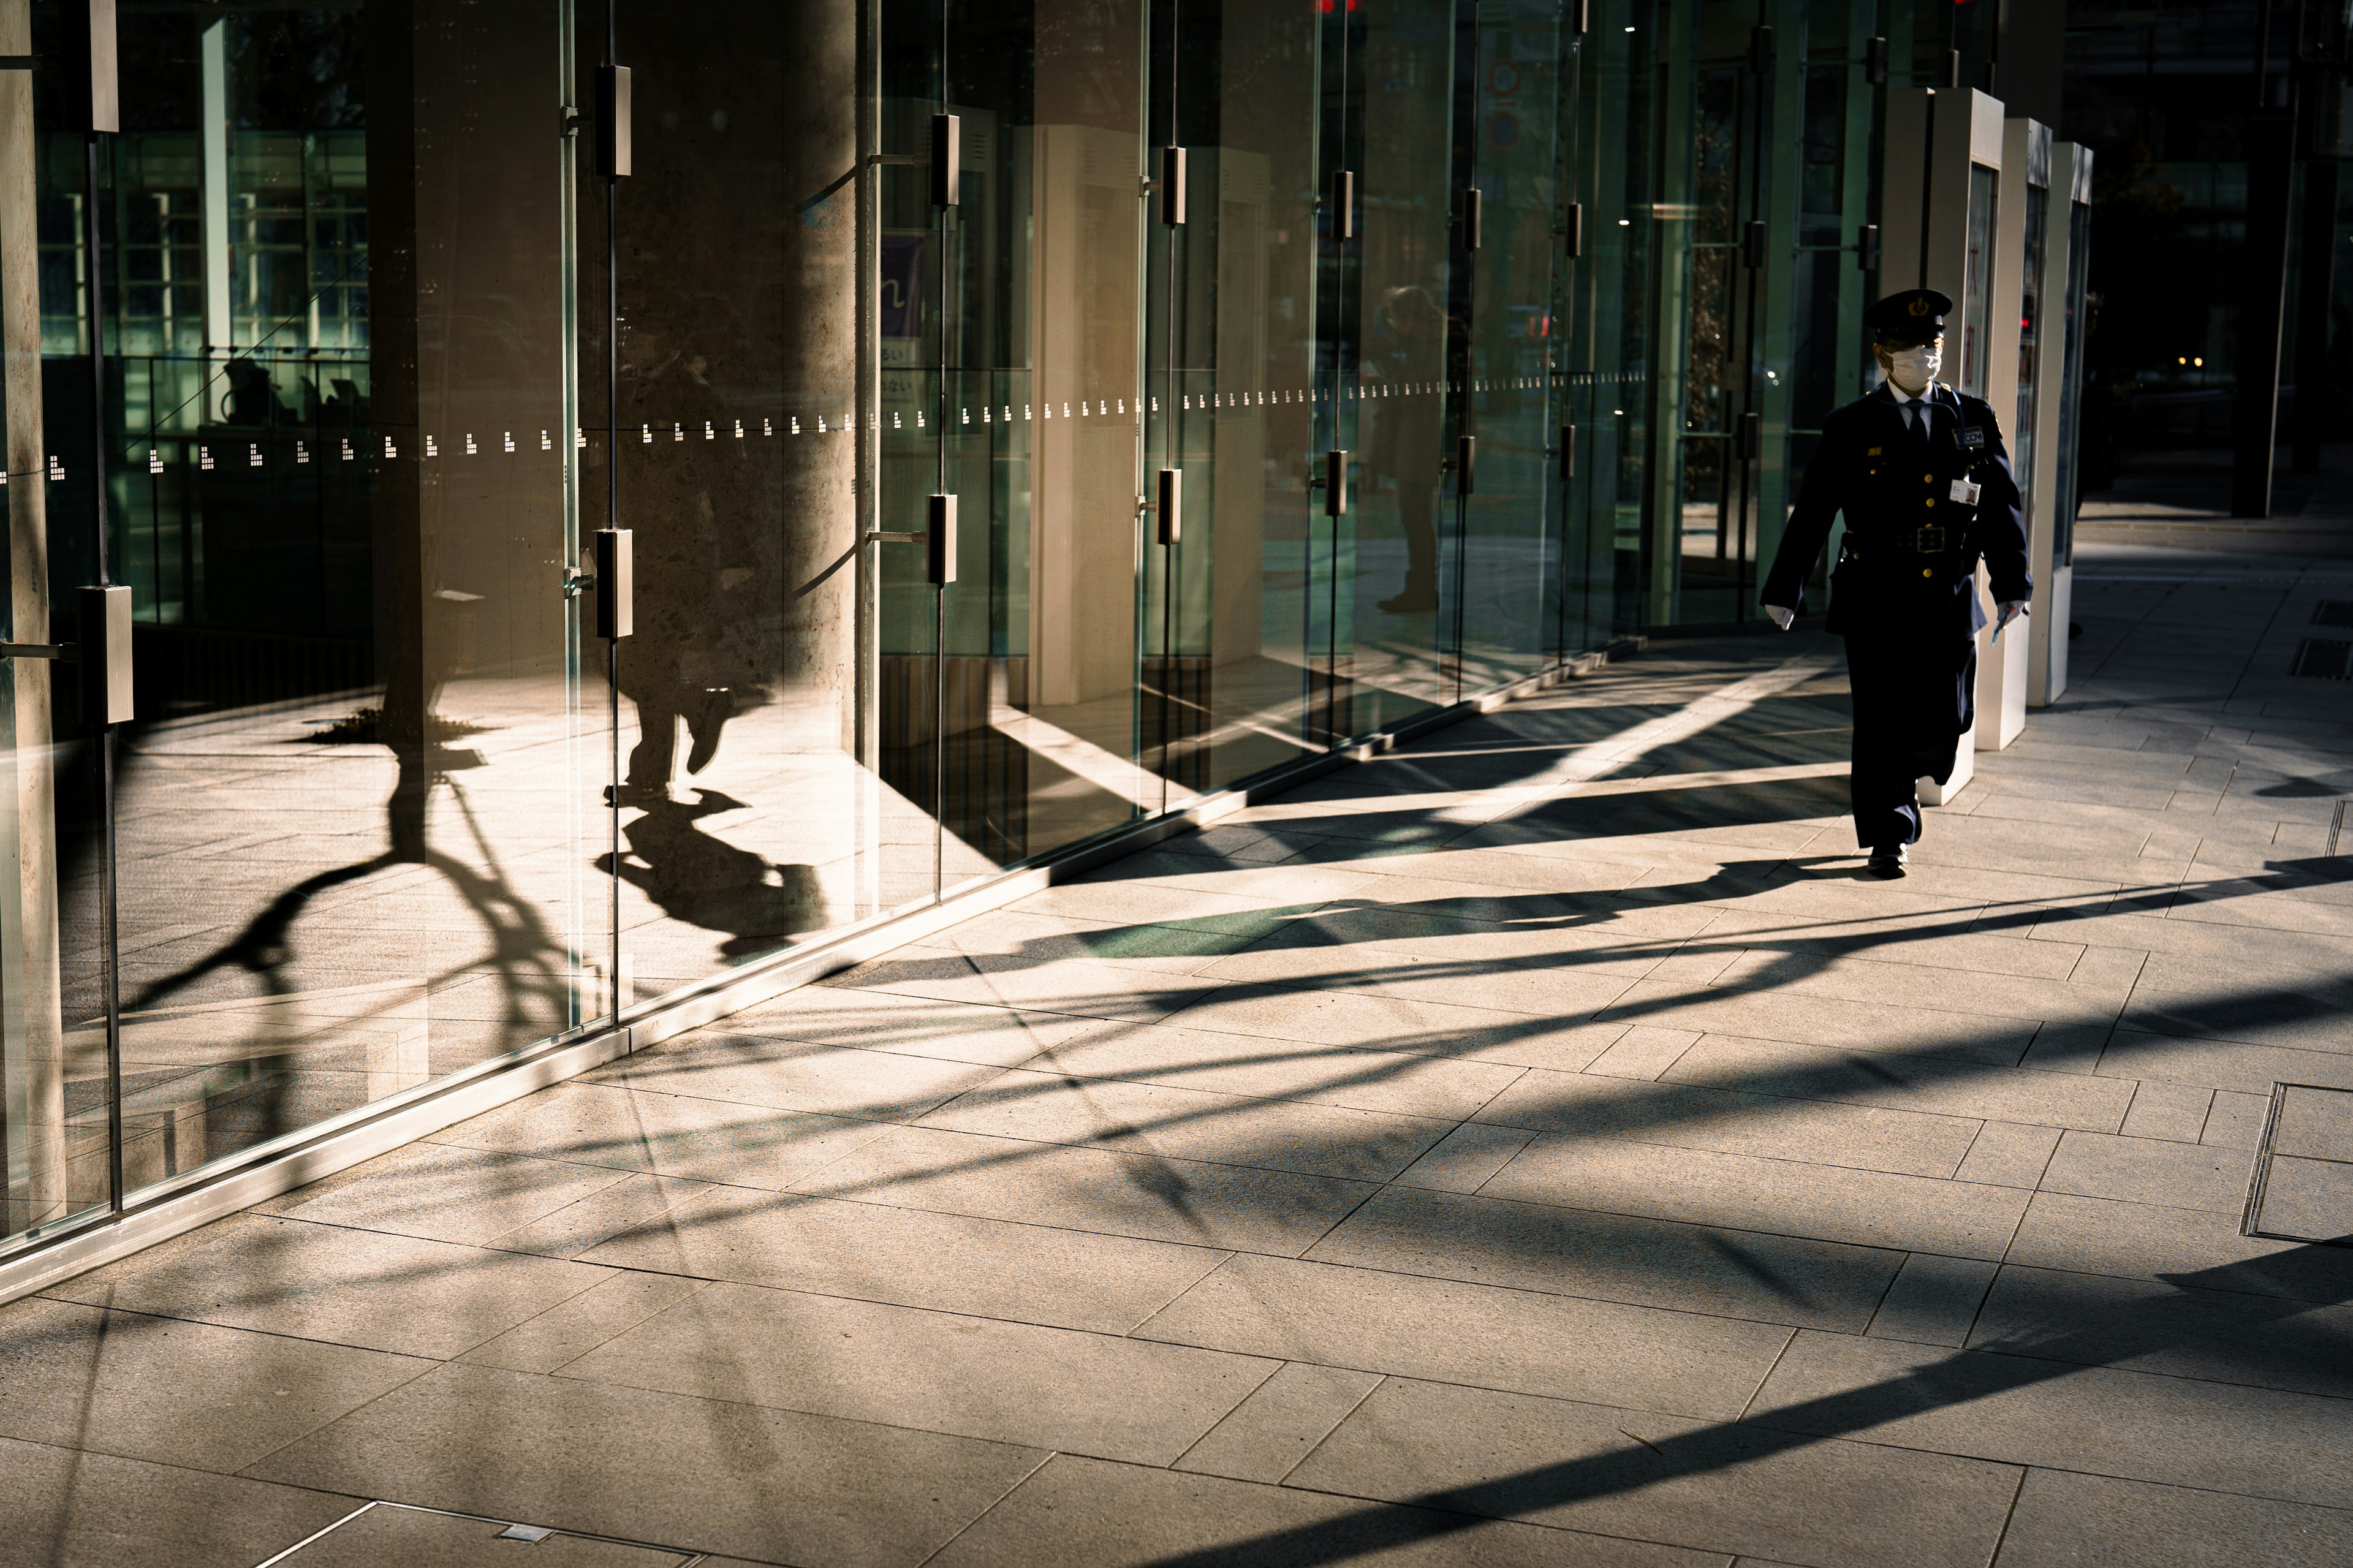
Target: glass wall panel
1234	311
745	821
1046	304
2023	453
58	1080
1509	523
1399	355
1609	362
346	815
2071	383
1976	282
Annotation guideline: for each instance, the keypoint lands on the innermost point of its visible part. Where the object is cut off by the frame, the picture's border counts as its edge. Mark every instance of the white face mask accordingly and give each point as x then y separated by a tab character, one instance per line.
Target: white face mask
1913	369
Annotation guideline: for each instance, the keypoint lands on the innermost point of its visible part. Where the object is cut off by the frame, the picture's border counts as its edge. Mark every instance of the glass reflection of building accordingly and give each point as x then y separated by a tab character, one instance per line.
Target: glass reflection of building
382	347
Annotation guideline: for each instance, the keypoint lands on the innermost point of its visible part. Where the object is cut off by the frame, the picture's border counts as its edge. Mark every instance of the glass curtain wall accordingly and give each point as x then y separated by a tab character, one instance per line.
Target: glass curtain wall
1485	331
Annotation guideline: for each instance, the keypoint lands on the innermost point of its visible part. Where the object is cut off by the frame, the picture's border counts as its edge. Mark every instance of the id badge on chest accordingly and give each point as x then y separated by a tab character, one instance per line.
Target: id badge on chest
1967	493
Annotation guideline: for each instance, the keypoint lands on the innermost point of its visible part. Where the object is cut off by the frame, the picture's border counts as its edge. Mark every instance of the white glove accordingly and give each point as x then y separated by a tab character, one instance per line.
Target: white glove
1781	615
2012	609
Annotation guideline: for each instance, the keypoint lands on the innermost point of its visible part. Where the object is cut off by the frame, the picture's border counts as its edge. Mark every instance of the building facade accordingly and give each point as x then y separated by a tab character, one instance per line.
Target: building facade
1027	418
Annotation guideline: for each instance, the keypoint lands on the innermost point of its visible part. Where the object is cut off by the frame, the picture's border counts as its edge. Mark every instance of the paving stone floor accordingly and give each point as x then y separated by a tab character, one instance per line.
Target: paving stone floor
1538	1146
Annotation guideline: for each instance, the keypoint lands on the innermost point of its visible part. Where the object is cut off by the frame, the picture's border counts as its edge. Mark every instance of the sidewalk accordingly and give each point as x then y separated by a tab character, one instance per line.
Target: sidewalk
1541	1145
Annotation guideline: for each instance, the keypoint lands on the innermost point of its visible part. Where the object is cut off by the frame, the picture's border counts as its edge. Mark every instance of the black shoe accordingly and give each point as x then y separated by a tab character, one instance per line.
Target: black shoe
1888	861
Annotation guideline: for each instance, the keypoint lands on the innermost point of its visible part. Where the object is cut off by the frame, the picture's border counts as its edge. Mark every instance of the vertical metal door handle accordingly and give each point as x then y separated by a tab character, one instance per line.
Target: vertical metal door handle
1472	204
106	654
1569	451
1466	455
1343	204
1172	505
1172	186
1336	482
947	160
1576	229
940	540
617	575
613	121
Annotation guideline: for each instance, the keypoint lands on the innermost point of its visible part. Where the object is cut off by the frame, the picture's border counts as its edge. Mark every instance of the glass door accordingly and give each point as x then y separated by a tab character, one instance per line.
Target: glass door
1509	244
1237	396
1384	574
1722	266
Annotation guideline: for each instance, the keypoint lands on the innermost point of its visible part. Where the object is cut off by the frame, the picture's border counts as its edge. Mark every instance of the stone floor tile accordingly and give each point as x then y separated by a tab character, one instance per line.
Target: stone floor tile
1130	899
2099	1236
874	1252
1191	1124
1264	1438
1479	1334
2182	1327
1642	1052
367	1288
1933	1300
2314	1122
67	1508
2174	1112
1716	1487
445	1194
2308	1198
173	1391
1926	1083
1349	1018
2144	1171
2068	1520
2241	1066
571	1329
793	1075
1177	949
2026	1410
1465	1158
633	1201
1400	1083
1728	1121
1089	1513
914	1025
2235	1120
1080	987
390	1533
1820	1020
2069	1049
2007	1155
1870	1209
1613	1257
1154	1198
936	1372
665	1134
775	1486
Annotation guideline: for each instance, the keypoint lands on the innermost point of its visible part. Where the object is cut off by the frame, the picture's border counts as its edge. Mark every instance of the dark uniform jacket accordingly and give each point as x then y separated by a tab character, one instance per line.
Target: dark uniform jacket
1908	565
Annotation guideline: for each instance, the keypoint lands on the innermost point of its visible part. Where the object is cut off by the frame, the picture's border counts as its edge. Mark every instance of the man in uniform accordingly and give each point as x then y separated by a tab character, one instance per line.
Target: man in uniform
1920	471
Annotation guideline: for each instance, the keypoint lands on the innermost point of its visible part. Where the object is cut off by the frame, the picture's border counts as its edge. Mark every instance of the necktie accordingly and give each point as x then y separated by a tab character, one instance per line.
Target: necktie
1915	417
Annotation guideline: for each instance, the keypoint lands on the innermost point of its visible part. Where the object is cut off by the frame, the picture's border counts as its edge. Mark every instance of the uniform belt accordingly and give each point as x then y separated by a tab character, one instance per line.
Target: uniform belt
1928	539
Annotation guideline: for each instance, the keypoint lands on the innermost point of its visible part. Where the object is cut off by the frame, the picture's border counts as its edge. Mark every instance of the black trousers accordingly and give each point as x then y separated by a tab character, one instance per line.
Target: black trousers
1914	696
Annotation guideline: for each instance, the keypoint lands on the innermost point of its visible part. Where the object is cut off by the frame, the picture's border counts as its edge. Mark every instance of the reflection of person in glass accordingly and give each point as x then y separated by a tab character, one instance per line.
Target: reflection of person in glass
684	663
1404	435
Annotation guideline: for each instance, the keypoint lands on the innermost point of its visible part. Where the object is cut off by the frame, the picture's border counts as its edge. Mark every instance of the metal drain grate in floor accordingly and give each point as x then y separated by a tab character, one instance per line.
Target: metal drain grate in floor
2333	613
2303	1185
2326	658
380	1533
